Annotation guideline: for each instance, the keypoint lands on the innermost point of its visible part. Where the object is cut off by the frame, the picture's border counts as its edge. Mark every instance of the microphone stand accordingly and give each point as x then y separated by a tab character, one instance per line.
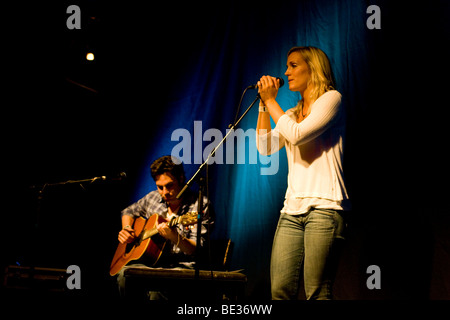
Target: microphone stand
202	185
80	182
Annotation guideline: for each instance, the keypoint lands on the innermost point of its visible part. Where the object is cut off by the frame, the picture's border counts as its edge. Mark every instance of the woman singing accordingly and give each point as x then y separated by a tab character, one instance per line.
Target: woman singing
312	134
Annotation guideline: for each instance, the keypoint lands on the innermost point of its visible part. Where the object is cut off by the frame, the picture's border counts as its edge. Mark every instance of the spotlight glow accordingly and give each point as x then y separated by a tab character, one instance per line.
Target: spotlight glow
90	56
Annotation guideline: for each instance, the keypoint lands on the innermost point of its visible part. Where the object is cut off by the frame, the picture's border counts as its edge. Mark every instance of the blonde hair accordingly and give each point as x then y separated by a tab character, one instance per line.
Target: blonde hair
321	74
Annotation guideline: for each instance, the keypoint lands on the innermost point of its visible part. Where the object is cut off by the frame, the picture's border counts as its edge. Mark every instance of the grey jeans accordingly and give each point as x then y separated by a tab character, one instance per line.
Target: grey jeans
310	241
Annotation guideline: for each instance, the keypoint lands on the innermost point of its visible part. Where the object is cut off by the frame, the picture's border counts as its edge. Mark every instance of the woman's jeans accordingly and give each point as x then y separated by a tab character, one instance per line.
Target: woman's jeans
310	241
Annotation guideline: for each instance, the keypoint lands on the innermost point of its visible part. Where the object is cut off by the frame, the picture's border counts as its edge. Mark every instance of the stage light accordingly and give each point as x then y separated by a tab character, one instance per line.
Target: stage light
90	56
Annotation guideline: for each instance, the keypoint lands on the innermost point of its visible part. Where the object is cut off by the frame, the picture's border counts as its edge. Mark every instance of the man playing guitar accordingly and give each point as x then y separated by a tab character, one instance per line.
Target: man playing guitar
169	178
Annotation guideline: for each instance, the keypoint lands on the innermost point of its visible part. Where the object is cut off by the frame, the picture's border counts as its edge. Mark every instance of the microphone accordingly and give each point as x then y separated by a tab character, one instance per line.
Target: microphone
255	86
120	176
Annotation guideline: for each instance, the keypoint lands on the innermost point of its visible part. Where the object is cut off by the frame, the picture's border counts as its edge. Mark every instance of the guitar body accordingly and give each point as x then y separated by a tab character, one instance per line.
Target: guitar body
150	248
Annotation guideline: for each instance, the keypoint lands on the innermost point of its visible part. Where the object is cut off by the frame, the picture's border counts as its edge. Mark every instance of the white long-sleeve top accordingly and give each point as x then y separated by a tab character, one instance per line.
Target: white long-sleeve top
314	149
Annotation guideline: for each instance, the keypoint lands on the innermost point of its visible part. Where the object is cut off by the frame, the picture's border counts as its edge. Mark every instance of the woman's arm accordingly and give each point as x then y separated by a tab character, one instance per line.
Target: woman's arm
263	124
266	141
323	112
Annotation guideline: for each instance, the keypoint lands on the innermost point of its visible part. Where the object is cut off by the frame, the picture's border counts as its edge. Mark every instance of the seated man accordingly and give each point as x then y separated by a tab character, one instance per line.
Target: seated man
169	178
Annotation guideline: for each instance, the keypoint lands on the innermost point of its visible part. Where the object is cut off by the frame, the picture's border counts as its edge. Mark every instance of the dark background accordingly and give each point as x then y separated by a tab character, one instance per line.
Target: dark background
161	66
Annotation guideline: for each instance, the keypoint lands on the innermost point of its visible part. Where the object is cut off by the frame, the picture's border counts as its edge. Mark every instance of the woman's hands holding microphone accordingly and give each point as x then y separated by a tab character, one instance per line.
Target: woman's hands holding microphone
268	88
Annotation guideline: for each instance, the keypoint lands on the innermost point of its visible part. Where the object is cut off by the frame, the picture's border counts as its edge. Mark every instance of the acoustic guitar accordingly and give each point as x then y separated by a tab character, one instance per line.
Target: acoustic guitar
148	243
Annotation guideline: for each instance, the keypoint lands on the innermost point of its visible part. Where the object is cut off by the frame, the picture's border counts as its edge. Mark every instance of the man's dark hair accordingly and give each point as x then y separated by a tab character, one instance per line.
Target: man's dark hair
165	164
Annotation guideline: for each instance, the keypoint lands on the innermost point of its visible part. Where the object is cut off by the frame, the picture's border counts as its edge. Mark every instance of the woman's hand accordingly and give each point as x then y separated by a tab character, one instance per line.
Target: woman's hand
268	88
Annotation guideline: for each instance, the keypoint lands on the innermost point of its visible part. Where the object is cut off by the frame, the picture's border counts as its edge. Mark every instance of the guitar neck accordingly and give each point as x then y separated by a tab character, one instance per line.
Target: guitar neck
173	222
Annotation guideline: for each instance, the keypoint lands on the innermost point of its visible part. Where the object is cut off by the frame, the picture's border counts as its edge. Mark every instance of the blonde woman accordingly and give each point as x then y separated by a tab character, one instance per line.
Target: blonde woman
312	133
